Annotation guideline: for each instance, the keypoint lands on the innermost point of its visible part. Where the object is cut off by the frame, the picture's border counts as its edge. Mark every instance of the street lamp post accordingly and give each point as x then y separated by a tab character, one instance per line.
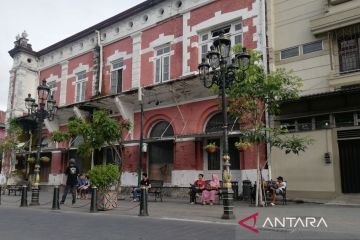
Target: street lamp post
223	75
46	109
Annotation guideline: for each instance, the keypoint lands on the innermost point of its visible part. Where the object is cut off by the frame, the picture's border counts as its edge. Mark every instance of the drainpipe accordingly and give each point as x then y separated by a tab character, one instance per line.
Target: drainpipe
101	60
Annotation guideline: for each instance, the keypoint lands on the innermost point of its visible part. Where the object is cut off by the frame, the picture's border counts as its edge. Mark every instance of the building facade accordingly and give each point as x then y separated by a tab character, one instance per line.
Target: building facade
320	42
155	46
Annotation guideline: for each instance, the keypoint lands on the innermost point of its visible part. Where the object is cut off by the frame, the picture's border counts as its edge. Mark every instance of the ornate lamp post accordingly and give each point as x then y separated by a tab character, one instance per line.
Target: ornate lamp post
223	75
45	110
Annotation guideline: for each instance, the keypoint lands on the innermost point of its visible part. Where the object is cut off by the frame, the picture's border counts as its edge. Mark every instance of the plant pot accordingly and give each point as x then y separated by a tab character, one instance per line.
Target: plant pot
211	149
106	200
45	159
242	146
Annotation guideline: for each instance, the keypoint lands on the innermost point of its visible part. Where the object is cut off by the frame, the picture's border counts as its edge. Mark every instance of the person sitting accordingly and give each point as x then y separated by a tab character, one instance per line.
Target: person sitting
144	183
277	188
83	186
197	187
211	189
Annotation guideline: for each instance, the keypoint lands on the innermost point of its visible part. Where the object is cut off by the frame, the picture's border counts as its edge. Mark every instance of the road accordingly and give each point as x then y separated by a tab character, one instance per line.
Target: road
40	224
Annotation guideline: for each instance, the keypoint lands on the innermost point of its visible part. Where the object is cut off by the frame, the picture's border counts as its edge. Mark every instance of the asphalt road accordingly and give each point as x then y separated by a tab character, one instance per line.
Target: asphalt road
27	223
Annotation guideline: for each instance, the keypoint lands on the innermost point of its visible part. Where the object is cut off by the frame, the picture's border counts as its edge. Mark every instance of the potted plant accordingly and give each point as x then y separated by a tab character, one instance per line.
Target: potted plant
30	160
45	159
104	177
211	147
243	145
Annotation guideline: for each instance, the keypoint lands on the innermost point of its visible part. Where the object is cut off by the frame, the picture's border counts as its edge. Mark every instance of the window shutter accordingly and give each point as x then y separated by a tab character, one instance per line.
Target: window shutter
158	70
82	91
166	68
114	79
78	92
119	82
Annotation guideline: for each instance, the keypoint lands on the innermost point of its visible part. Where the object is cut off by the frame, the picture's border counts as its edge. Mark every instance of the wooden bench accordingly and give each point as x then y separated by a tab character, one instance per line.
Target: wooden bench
14	189
219	192
156	189
282	194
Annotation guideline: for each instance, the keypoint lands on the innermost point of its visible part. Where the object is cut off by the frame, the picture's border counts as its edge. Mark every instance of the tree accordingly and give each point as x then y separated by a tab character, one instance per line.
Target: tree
9	145
260	93
100	131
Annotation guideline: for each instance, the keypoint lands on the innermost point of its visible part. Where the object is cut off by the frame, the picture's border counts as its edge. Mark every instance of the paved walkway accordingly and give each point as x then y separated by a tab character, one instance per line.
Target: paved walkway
181	209
343	220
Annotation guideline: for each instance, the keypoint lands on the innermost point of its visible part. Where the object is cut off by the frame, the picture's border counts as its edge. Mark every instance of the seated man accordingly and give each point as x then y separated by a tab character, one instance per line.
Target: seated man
276	189
144	183
83	187
197	187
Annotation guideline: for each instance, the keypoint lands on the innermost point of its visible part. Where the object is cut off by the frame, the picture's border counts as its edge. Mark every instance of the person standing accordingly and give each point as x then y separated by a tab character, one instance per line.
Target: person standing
72	172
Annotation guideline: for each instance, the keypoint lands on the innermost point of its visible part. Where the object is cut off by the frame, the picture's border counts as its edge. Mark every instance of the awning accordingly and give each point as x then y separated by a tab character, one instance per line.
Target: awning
75	143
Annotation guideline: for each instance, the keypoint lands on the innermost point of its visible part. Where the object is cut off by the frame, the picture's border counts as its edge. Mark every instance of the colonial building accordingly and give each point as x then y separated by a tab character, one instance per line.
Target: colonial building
157	46
320	41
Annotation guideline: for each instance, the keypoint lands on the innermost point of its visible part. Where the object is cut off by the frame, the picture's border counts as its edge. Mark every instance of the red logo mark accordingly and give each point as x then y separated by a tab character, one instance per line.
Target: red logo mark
251	228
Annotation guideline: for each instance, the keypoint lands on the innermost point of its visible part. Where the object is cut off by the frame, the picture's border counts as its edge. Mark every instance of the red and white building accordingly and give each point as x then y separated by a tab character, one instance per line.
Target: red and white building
156	45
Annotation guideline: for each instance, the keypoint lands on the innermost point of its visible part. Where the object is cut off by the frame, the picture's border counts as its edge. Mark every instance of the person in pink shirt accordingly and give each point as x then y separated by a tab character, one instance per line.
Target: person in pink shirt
209	194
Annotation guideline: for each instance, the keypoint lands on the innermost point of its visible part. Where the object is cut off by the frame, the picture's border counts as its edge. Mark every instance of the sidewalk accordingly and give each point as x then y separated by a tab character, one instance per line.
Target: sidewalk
180	209
340	220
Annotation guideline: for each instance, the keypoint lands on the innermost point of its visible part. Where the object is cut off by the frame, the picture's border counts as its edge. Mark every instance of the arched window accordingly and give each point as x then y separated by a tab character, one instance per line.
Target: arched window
215	125
216	122
162	129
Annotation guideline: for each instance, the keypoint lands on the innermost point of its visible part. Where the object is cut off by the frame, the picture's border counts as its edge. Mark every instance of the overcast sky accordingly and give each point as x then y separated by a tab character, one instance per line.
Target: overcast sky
48	22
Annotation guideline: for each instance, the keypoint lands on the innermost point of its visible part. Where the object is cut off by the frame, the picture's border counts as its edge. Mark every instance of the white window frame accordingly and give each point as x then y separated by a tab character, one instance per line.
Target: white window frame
53	88
113	69
80	83
161	58
209	40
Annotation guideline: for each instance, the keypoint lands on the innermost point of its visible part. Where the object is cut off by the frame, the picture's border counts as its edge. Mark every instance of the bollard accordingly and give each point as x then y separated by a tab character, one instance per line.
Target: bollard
35	192
56	203
143	203
24	202
93	207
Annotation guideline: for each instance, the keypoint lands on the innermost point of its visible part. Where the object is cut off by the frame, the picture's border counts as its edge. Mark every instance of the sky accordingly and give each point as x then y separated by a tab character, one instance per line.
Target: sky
46	23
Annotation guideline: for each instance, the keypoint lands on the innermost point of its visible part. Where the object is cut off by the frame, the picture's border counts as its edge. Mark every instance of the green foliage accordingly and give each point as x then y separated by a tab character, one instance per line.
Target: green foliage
104	176
292	143
260	92
10	142
100	130
58	136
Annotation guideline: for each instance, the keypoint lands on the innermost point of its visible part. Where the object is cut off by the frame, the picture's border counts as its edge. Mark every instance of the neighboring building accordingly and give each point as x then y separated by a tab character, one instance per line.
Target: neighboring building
320	41
156	45
2	134
2	124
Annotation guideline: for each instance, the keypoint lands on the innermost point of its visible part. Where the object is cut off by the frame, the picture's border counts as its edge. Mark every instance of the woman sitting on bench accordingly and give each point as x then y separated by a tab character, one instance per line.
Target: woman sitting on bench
211	189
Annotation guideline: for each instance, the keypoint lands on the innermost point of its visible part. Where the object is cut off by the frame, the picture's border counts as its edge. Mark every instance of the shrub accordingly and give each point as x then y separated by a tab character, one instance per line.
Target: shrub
104	176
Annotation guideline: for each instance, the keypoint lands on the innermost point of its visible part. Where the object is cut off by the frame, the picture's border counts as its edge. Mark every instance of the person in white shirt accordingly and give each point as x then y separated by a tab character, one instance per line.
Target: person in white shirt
277	189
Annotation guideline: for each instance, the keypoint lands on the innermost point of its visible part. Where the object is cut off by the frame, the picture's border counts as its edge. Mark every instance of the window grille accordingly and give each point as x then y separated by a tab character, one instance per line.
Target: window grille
348	45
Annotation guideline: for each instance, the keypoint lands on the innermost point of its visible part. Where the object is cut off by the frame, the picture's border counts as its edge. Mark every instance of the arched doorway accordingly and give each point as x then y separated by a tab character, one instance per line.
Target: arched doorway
161	152
214	127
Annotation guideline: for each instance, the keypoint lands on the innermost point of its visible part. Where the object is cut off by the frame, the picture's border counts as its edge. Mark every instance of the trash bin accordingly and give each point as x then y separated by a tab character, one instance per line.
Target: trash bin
235	188
246	190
